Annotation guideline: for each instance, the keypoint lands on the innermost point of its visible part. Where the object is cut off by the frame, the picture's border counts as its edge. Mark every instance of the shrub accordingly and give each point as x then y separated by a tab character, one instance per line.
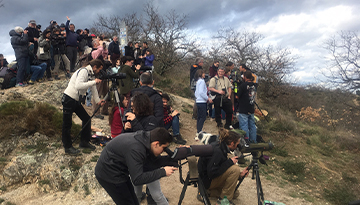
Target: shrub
339	194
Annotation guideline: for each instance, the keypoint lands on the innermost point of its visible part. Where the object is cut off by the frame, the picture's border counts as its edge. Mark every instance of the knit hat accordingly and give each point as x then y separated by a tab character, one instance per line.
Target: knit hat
32	21
18	29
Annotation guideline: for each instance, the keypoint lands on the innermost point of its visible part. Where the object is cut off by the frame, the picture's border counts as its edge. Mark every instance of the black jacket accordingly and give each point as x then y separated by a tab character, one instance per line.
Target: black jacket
246	94
20	44
156	99
124	155
214	166
193	70
114	48
129	51
145	123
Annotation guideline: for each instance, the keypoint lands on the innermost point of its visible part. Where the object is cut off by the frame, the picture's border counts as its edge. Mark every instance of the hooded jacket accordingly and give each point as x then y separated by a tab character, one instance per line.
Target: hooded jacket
20	44
125	155
156	99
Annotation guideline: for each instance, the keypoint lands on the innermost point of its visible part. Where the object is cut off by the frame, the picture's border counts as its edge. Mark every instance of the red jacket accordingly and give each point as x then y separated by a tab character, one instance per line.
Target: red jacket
116	124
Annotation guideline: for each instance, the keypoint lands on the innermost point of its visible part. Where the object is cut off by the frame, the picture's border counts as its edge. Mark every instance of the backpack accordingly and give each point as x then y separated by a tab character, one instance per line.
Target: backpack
8	77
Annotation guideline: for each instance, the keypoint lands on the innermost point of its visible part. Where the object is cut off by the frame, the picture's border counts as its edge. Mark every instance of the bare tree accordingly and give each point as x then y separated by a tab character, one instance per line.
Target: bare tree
2	4
240	47
344	68
168	37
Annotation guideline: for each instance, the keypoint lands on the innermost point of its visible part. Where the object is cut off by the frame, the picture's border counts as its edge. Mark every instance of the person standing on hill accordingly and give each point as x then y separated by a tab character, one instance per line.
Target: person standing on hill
246	101
199	62
72	39
20	42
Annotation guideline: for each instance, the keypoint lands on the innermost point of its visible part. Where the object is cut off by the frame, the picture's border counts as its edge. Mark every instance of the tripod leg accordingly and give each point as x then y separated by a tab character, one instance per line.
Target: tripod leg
186	183
203	193
260	194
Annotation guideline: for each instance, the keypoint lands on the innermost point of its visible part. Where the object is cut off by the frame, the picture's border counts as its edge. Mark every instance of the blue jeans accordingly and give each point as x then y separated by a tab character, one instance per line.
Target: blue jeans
37	71
155	191
247	123
175	124
201	116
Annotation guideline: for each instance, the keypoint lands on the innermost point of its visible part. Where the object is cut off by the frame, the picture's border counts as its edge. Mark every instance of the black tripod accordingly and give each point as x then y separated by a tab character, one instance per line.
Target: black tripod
192	178
255	175
62	64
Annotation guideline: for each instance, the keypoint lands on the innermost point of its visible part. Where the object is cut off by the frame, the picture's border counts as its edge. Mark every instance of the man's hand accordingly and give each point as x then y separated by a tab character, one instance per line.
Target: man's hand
235	159
209	100
25	31
36	39
245	172
102	102
97	80
174	113
68	18
127	125
130	116
221	92
137	67
169	170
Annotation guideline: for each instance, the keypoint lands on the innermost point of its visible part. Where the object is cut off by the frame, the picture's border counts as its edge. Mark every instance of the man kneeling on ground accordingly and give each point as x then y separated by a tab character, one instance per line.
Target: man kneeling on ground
171	119
219	173
121	163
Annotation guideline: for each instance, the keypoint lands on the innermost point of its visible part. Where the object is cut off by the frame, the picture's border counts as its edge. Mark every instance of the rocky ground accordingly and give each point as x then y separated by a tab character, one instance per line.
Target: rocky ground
29	177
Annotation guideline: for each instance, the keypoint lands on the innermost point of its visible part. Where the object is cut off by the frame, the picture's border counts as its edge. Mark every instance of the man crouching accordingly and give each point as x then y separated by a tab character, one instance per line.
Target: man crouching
126	155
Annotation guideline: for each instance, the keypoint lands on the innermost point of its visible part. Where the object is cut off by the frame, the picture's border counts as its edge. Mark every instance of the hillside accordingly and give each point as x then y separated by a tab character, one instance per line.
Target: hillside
34	169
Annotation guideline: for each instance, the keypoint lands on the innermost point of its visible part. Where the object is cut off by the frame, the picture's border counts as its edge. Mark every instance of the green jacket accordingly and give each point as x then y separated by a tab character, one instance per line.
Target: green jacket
128	81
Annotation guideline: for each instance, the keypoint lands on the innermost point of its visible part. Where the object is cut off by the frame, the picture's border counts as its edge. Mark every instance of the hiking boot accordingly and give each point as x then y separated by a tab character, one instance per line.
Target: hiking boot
219	125
72	151
31	82
86	145
56	77
100	117
40	80
179	140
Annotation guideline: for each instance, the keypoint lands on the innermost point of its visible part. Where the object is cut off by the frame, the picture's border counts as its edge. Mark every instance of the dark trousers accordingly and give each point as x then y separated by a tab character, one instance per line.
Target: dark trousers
48	69
69	107
22	64
71	53
226	106
122	194
201	116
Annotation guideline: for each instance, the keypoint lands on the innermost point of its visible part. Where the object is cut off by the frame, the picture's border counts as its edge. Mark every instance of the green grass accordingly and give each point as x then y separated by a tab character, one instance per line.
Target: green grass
43	182
39	147
3	188
86	189
95	158
295	170
2	200
280	151
339	194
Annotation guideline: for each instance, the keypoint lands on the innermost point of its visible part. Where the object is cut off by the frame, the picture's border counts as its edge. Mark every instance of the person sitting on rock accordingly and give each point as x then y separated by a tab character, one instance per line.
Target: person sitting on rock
171	119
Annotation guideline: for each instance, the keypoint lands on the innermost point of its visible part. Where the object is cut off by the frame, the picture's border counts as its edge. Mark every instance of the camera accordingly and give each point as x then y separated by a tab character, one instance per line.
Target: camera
175	115
125	118
103	75
256	147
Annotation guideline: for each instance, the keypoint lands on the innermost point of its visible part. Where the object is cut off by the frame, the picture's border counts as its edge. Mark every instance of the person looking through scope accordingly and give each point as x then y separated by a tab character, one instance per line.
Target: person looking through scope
80	81
219	173
121	163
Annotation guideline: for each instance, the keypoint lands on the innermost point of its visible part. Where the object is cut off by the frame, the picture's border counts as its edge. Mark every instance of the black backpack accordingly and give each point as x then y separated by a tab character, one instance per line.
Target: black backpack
8	77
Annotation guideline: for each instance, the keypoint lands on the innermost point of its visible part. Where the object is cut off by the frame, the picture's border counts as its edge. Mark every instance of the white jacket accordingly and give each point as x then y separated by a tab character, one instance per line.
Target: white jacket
80	81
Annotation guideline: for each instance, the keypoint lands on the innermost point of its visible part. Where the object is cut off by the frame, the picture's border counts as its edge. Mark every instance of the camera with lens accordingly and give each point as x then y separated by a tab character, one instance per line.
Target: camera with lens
103	75
125	112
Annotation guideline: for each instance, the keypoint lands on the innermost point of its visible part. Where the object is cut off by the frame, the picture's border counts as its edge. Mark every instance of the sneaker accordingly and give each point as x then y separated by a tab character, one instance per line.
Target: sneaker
220	199
31	82
86	145
100	117
50	79
40	80
72	151
21	85
179	140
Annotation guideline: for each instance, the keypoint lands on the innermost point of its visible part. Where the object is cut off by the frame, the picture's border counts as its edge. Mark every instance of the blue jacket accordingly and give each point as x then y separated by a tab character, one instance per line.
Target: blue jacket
201	91
20	44
72	38
149	60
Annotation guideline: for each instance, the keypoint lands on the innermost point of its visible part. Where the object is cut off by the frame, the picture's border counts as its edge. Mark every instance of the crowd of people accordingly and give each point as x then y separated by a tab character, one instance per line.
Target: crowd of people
141	120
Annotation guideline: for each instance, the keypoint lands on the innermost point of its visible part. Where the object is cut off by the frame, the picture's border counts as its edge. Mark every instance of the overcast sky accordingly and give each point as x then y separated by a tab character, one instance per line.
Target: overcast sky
300	25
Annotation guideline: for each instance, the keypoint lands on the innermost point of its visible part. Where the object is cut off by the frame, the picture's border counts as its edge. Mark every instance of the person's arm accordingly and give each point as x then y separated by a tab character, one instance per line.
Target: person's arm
217	165
212	87
202	89
134	161
67	24
150	58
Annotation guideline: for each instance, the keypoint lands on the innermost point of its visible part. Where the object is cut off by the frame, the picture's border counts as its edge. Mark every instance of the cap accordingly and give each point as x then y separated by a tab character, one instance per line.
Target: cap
32	21
93	35
62	25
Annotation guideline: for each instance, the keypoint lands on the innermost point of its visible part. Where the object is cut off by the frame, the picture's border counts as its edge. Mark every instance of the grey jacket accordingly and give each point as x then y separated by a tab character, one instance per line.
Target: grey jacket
20	44
124	155
46	48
